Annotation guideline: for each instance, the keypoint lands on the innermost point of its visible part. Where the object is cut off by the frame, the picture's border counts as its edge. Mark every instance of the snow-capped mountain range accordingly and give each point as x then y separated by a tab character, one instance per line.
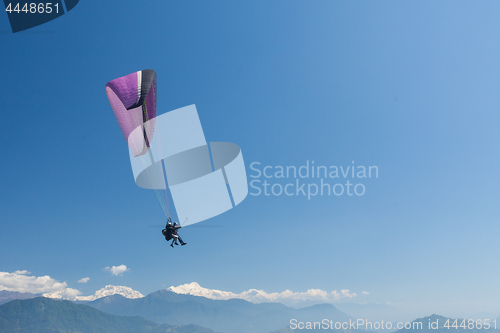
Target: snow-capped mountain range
103	292
260	296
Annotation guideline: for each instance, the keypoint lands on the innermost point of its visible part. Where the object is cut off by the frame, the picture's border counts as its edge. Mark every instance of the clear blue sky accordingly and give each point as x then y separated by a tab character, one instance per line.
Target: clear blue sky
411	87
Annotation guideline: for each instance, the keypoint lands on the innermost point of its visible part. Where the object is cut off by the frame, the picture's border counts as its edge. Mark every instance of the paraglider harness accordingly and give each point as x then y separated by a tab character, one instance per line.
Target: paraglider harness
168	236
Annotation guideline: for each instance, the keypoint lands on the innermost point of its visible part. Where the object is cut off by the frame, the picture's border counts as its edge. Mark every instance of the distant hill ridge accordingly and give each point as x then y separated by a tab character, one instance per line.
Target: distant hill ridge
7	296
232	315
228	316
45	315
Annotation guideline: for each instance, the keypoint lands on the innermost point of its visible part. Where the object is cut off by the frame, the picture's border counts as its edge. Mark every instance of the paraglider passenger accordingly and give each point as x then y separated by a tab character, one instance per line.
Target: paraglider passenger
175	236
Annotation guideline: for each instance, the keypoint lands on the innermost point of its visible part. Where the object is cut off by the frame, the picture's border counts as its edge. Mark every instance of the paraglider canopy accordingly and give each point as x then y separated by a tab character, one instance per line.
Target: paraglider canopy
205	179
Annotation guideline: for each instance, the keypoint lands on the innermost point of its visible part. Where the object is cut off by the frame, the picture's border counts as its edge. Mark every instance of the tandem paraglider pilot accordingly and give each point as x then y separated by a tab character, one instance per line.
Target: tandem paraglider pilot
170	233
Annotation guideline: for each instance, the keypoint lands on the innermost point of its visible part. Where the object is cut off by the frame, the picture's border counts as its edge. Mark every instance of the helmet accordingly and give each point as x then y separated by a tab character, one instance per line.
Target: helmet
175	223
169	223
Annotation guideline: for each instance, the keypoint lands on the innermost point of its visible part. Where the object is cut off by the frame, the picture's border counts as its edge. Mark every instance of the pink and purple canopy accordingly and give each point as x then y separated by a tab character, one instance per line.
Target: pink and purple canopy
133	100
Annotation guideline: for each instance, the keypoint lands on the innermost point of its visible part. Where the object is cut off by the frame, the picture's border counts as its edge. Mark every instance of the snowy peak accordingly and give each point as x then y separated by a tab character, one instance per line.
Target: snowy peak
260	296
112	290
195	289
72	294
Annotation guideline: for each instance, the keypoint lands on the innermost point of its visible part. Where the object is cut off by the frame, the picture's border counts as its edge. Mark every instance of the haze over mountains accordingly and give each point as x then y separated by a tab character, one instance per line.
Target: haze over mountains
166	307
45	315
7	296
234	315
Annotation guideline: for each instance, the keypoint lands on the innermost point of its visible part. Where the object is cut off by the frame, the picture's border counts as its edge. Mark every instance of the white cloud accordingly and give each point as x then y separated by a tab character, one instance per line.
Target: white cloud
344	293
260	296
22	272
20	281
117	270
84	280
112	290
365	293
